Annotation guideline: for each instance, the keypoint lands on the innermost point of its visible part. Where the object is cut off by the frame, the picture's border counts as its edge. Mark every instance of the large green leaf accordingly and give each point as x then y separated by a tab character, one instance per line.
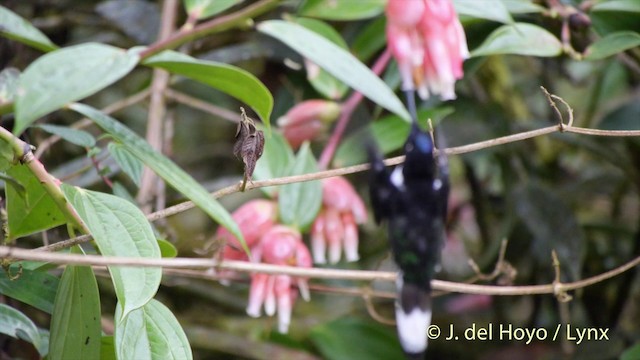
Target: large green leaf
120	229
203	9
74	136
612	44
30	209
323	82
75	322
150	332
299	203
276	160
164	167
336	61
520	39
479	9
67	75
32	287
229	79
337	340
18	325
17	28
342	10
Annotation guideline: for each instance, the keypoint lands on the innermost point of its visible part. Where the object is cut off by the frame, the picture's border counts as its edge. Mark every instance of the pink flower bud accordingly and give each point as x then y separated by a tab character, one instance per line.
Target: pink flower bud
253	218
306	120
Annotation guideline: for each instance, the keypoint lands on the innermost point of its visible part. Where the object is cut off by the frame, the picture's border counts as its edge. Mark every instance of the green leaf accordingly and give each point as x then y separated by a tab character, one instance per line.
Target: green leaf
337	339
479	9
276	159
522	6
67	75
520	39
18	325
120	229
617	5
6	156
167	249
131	165
108	348
35	288
207	8
370	40
32	209
121	191
16	28
390	133
612	44
164	167
75	322
336	61
229	79
342	10
8	87
300	202
74	136
631	353
323	82
151	332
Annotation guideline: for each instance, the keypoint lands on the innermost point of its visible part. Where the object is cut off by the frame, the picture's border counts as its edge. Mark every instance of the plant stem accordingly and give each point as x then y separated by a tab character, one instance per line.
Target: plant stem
216	25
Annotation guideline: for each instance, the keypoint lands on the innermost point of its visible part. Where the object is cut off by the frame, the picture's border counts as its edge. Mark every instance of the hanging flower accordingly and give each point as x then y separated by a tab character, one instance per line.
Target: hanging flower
281	245
429	44
254	218
336	224
307	120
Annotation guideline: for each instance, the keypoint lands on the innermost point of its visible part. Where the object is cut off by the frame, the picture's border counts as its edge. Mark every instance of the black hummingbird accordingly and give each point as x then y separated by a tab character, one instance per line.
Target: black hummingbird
412	199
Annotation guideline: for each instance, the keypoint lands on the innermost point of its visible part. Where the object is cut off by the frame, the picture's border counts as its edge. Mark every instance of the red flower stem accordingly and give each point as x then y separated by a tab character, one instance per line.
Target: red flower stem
345	115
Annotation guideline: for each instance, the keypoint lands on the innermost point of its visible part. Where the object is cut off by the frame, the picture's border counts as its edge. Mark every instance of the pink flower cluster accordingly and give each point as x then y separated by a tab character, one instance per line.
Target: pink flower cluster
429	44
269	243
272	243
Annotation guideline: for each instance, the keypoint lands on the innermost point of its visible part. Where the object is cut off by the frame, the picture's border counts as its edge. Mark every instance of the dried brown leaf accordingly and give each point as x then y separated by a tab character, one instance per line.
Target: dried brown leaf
249	145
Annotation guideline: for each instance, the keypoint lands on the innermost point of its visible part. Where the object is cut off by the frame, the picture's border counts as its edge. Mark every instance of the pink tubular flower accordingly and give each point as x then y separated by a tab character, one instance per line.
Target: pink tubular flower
429	44
335	227
279	246
306	120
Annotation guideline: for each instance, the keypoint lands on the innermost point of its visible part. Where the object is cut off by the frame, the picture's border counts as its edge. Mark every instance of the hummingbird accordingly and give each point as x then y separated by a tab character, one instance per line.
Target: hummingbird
412	200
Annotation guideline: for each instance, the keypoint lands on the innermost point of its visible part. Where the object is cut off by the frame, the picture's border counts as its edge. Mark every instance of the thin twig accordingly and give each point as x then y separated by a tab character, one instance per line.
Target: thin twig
201	105
187	205
318	273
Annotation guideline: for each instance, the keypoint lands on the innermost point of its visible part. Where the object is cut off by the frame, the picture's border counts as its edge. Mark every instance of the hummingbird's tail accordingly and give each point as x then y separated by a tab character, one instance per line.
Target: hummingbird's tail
413	318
